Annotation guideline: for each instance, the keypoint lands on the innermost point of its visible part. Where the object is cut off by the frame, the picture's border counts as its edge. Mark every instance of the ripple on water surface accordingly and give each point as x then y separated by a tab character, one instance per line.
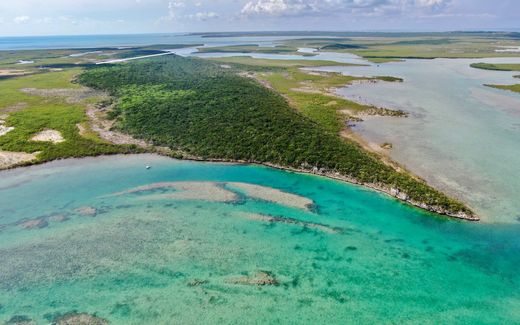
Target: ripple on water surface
105	240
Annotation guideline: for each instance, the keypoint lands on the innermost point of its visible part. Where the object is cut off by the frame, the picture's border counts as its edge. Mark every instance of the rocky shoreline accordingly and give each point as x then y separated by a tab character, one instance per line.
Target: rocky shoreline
392	192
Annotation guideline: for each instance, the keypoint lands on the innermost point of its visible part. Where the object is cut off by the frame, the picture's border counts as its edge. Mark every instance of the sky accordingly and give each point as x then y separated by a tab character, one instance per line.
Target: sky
81	17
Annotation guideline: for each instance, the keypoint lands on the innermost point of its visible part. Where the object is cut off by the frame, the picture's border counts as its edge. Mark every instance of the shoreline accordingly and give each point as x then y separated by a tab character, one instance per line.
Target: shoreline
390	192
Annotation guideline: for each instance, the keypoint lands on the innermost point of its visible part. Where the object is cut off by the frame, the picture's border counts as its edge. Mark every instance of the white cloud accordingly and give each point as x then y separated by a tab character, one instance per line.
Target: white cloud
361	7
276	7
21	19
203	16
173	7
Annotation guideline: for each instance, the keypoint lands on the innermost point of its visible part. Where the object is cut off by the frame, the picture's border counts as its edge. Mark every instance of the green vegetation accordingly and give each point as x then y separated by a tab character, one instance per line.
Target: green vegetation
269	63
514	88
30	114
136	53
382	47
498	67
279	49
76	57
311	94
339	46
200	109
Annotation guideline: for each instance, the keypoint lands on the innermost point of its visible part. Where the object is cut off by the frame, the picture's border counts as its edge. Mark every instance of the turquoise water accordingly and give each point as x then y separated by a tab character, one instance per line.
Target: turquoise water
169	261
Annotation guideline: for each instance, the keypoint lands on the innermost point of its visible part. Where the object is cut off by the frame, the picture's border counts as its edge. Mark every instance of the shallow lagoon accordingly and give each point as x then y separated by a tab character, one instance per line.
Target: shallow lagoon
461	136
142	260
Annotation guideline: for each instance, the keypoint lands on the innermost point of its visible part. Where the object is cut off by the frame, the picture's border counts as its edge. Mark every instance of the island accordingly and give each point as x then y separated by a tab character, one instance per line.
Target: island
86	102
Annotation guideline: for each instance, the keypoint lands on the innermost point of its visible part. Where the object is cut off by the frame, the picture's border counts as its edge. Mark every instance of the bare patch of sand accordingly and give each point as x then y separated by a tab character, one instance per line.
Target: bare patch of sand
274	195
82	129
206	191
331	103
12	72
48	136
9	159
14	108
71	95
307	90
4	129
103	127
290	221
220	192
260	278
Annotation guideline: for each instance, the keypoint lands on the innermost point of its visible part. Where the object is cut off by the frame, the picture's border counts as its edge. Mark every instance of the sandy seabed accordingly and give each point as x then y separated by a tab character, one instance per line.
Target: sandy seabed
219	192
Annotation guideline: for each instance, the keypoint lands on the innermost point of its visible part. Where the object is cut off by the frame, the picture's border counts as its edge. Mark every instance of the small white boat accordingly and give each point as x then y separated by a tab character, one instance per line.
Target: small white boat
148	167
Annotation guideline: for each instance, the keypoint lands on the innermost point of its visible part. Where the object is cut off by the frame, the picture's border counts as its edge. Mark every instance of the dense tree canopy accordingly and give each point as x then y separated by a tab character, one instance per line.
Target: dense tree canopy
204	110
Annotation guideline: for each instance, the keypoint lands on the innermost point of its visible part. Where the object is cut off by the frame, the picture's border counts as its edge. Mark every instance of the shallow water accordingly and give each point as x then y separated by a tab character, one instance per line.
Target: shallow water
461	136
93	41
149	261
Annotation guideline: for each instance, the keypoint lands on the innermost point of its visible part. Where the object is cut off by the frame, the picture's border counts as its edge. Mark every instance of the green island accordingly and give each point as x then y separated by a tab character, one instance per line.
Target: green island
201	110
500	67
514	88
497	67
59	104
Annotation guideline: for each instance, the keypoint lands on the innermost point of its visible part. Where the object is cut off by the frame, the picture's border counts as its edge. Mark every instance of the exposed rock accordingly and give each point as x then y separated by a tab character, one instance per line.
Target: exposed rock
74	318
9	159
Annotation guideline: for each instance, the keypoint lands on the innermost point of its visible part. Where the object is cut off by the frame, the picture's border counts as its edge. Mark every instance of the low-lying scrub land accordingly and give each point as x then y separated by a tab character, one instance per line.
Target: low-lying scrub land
28	115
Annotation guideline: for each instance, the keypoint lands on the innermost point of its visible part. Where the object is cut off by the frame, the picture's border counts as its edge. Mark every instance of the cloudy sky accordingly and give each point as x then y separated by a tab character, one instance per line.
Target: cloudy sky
62	17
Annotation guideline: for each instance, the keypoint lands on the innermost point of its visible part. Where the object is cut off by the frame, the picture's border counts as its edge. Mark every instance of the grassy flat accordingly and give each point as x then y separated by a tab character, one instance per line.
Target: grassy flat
280	49
247	60
30	113
498	67
384	48
311	93
514	88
